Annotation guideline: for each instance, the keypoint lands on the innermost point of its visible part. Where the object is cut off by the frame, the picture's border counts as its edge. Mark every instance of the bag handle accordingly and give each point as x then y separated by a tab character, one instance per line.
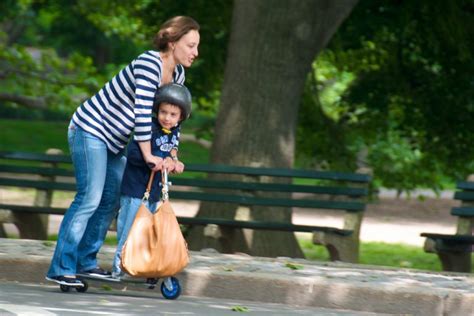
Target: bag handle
164	184
146	195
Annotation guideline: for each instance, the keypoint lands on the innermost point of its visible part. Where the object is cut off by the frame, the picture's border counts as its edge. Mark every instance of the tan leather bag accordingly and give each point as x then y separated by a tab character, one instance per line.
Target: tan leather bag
155	246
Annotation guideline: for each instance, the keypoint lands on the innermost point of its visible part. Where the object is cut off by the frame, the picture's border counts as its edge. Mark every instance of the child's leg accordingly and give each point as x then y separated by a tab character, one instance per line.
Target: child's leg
128	210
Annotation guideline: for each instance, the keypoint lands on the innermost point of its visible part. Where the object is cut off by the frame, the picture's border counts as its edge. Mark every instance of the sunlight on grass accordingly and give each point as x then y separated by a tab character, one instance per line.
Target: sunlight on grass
383	254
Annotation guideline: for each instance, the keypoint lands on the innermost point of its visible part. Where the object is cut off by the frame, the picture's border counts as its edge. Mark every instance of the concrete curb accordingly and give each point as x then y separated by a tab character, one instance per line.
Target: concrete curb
329	285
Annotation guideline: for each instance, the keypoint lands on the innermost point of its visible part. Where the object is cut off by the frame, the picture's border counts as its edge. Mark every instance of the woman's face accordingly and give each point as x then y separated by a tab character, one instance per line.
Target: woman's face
185	50
169	115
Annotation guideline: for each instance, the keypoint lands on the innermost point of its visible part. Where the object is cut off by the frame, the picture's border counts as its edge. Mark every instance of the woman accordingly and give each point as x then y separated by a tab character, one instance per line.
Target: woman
98	133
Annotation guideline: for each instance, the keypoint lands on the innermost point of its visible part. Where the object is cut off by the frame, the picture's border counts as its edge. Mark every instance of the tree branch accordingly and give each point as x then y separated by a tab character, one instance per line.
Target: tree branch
27	101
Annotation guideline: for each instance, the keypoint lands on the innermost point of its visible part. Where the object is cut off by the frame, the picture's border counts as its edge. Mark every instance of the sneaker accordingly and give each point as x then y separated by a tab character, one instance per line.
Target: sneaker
63	280
118	275
98	272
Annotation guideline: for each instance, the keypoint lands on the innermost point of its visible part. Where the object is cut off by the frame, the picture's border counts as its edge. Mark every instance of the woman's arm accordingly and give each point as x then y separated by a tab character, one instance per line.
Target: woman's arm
155	163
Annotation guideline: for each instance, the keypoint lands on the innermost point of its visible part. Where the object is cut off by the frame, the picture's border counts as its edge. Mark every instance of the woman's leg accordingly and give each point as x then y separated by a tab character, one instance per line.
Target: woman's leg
89	156
100	221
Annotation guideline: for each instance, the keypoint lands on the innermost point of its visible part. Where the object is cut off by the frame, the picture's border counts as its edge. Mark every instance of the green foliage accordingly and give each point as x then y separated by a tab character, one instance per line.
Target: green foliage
37	75
394	92
59	52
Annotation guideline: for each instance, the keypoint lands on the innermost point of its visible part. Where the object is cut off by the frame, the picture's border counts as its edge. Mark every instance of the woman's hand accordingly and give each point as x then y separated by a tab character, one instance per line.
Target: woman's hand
155	163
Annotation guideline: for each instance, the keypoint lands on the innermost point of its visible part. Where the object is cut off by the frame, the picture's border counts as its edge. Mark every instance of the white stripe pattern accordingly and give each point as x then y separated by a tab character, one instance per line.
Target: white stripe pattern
125	103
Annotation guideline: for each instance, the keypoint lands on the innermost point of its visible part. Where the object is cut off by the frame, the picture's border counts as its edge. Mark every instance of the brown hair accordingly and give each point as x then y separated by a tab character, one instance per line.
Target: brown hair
172	30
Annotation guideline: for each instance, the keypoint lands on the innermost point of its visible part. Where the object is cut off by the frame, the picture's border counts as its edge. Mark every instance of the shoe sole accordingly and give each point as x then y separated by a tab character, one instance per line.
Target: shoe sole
64	282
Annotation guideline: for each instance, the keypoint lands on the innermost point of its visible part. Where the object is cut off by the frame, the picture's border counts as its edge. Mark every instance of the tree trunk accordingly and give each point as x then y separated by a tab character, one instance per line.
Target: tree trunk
271	48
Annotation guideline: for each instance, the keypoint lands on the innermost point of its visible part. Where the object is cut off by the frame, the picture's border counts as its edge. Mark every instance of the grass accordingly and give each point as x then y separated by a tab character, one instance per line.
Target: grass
38	136
383	254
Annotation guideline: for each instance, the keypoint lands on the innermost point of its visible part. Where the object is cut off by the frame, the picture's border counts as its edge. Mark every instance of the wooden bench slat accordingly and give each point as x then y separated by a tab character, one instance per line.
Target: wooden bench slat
276	187
463	239
277	172
464	196
249	200
44	171
34	209
463	211
280	226
465	185
38	184
27	156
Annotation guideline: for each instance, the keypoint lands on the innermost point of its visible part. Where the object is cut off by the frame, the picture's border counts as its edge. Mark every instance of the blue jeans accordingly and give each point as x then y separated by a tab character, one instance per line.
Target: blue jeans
128	210
83	229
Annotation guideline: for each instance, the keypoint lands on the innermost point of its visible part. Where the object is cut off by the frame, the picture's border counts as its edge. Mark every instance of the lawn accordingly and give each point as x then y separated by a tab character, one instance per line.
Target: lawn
38	136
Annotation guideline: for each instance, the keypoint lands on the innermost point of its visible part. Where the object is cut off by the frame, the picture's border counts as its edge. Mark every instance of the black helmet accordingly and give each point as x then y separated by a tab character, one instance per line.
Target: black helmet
175	94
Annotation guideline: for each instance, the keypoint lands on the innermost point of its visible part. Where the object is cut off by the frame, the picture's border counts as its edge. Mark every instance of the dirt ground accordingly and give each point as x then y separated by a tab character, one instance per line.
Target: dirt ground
389	219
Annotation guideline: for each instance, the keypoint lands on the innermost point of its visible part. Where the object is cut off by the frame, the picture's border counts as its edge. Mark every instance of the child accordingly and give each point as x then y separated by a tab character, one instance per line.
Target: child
172	106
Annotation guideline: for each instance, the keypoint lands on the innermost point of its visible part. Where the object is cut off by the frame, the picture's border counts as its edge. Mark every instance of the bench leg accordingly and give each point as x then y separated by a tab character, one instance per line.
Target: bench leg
340	248
3	233
455	261
31	226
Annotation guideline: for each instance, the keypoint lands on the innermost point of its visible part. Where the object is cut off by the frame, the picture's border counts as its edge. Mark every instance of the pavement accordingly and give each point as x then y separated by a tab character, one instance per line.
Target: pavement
297	282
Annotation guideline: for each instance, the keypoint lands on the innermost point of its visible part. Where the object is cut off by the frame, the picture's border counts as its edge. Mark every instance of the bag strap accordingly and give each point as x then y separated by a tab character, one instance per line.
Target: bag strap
146	195
164	184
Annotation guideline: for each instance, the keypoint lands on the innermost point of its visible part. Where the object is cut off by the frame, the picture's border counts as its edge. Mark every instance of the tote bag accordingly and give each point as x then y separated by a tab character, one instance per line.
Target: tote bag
155	246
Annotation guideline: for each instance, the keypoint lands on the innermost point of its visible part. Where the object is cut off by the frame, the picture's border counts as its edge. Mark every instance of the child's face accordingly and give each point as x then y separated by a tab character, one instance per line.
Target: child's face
169	115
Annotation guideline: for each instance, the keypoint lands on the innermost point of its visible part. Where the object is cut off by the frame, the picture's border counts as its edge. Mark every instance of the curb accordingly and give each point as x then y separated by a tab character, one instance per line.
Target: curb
318	284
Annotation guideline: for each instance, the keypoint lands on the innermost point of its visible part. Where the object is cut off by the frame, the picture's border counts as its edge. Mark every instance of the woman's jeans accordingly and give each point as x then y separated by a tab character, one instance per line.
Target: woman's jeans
128	210
83	229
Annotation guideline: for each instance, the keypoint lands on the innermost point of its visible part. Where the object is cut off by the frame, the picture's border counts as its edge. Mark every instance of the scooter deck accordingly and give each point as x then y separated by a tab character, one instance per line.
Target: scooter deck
113	280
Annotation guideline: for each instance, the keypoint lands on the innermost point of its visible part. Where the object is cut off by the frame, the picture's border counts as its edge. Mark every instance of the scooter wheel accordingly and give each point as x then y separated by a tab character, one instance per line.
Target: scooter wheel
83	289
171	294
64	288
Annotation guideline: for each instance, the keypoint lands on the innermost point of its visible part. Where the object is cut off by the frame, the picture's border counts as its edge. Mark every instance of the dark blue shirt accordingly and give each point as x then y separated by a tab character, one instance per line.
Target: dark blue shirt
137	173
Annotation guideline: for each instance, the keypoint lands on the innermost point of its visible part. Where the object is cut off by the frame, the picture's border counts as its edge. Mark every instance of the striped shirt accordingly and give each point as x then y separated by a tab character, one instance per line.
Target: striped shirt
125	103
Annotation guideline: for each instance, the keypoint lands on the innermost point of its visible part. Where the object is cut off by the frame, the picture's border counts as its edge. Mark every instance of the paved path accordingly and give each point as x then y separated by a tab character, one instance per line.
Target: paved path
45	300
271	280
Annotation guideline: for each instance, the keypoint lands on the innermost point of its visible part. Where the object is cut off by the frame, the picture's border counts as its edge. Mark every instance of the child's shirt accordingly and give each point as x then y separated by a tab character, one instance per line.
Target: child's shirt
137	173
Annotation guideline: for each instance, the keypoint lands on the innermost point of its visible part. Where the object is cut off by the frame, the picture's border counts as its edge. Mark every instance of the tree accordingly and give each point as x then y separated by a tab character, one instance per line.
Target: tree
272	45
407	94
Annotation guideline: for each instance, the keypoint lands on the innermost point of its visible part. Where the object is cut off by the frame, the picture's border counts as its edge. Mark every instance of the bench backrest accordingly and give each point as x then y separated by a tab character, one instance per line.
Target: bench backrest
465	194
241	185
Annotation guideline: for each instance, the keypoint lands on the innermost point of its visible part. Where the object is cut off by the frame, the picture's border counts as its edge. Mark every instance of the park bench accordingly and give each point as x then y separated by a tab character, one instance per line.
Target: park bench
454	251
345	193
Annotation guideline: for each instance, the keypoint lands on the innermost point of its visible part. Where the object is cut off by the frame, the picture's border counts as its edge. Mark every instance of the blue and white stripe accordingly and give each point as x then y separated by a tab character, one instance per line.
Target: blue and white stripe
125	103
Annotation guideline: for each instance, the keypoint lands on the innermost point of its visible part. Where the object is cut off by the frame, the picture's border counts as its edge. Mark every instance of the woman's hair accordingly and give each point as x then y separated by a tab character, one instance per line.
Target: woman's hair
172	30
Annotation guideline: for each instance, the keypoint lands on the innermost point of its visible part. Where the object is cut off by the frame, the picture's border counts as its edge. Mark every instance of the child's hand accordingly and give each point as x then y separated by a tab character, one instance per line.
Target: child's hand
169	164
179	167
